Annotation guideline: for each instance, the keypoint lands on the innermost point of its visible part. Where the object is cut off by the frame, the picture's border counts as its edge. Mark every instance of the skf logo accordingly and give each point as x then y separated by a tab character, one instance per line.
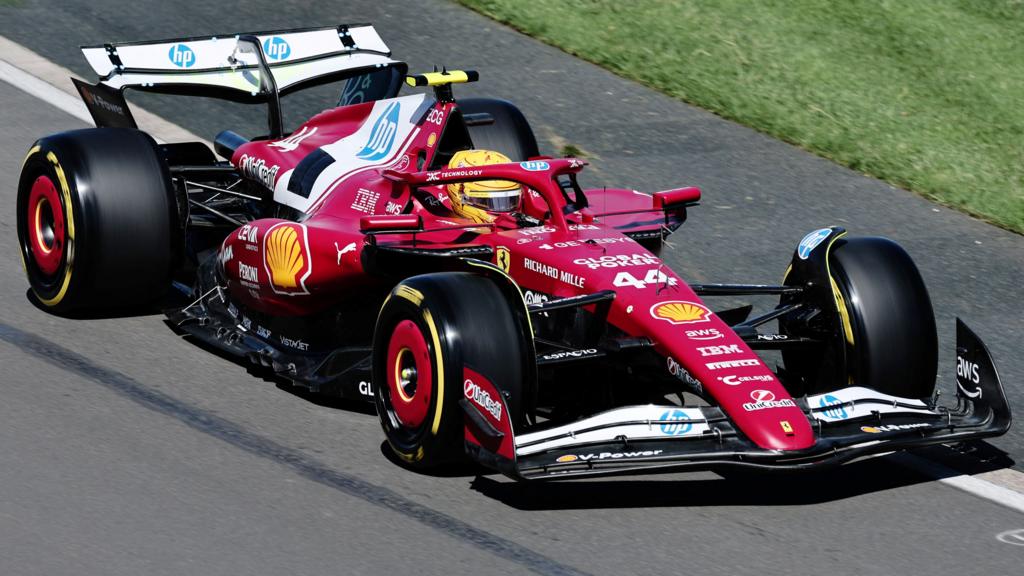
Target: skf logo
181	56
503	259
382	137
678	312
276	48
286	257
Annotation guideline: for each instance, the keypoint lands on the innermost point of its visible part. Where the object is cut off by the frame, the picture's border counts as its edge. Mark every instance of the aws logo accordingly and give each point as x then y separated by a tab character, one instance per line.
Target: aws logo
967	370
286	258
967	373
382	137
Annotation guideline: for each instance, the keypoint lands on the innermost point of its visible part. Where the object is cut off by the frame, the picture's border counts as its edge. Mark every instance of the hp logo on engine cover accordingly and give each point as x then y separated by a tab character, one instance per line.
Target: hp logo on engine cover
382	137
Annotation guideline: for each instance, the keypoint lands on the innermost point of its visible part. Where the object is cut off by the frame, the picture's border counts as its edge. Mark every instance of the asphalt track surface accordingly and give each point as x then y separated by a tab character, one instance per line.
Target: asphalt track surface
127	450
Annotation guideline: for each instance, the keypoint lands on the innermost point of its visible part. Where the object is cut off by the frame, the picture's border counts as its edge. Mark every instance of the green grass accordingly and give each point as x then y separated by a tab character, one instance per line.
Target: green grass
926	94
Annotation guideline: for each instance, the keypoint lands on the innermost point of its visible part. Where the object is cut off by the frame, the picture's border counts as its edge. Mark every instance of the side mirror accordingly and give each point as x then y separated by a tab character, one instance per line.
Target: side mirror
676	197
390	223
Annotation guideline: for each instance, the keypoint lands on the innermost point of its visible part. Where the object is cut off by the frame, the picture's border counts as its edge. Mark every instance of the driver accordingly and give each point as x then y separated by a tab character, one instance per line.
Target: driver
479	200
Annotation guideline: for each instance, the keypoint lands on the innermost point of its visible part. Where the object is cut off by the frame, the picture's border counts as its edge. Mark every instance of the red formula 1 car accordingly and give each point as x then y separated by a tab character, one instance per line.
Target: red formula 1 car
418	252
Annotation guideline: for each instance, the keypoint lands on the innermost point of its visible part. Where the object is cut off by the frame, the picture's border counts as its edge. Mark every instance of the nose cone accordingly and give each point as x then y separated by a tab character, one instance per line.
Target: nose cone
695	340
782	429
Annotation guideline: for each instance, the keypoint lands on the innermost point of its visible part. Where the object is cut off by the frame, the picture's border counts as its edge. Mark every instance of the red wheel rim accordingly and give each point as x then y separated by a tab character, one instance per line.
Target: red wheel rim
410	374
45	225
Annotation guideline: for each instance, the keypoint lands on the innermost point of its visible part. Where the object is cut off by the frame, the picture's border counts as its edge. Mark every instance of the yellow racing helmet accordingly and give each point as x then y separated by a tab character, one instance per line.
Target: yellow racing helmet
474	200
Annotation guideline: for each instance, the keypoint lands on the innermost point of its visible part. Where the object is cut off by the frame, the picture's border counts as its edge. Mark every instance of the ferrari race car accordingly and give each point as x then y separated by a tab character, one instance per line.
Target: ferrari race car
418	252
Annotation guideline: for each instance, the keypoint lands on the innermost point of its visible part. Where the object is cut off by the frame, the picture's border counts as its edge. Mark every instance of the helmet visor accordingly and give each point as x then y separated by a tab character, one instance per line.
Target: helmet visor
494	200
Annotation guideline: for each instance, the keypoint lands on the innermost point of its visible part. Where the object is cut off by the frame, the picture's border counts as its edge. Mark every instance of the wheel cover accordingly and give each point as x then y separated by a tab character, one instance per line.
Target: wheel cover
45	223
409	374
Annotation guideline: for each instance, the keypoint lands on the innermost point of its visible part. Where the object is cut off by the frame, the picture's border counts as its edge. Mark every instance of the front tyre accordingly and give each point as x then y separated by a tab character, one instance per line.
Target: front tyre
885	337
98	223
431	329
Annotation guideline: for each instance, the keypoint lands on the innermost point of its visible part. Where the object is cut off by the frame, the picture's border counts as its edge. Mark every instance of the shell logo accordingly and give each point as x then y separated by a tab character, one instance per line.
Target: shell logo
567	458
286	256
679	312
870	429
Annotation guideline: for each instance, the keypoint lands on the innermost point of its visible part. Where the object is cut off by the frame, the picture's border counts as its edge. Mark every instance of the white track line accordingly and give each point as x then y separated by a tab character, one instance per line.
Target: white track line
28	71
32	68
970	484
44	91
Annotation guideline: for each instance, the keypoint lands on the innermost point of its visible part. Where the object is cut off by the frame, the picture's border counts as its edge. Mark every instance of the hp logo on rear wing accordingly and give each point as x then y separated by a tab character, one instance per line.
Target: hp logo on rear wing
181	56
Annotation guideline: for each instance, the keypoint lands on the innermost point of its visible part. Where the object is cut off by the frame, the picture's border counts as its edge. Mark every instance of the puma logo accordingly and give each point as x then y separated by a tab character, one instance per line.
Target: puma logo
351	247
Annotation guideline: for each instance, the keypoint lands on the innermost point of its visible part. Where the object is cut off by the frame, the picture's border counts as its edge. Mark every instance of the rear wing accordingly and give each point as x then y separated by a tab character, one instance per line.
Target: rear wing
251	68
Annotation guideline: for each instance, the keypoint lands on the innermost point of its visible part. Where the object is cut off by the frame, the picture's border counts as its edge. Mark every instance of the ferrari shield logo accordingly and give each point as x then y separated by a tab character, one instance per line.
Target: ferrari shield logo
286	258
503	259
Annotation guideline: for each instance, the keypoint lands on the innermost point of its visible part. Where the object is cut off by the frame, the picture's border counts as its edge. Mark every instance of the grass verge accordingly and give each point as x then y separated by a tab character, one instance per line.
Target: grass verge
926	94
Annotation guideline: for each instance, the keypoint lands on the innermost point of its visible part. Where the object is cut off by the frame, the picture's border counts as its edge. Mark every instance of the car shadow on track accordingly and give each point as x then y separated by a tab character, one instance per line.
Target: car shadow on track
743	489
462	469
318	398
100	314
283	384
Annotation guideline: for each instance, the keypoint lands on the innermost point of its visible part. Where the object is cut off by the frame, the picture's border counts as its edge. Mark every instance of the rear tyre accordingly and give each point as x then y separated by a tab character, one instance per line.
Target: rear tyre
886	338
98	223
430	330
510	133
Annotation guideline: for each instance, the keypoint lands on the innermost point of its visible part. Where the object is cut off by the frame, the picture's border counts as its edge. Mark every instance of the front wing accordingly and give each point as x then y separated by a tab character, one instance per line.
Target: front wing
849	423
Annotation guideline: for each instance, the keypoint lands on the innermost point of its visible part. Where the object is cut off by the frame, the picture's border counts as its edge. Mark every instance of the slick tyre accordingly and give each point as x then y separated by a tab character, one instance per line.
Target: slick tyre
431	330
98	223
509	134
886	326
